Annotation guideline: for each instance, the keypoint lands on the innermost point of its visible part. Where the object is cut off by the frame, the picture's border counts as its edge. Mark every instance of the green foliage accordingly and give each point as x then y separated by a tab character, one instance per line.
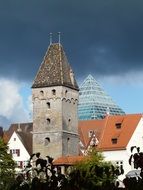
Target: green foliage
93	172
7	167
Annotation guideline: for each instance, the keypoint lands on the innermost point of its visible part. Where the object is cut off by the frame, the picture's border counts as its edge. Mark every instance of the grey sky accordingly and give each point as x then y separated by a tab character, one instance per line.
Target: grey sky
103	37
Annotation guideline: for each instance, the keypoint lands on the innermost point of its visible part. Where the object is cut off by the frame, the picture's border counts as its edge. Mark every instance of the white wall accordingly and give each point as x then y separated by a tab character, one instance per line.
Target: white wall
118	156
137	137
124	155
17	144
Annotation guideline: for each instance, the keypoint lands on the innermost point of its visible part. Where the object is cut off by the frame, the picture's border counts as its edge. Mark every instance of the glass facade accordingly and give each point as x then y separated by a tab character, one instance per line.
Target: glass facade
94	103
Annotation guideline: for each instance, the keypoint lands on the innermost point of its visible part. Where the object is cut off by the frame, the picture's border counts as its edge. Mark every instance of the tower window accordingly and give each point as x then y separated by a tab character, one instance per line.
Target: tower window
48	121
48	105
90	133
47	140
41	92
68	139
69	123
66	93
53	92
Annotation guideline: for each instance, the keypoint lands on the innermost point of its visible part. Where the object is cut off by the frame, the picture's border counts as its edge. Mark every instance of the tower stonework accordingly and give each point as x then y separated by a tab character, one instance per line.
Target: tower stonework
55	100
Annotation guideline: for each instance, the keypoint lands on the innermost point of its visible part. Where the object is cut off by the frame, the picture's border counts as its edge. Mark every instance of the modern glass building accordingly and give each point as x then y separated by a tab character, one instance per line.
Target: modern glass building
94	103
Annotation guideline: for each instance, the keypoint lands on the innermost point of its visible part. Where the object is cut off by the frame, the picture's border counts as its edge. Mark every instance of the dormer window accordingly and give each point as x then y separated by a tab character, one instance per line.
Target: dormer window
53	92
90	133
118	125
114	140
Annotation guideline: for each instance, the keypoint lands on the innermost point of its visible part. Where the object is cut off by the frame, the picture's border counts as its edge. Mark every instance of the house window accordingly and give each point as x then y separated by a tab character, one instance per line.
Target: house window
53	92
15	152
114	140
119	163
48	105
10	151
14	139
18	152
19	164
118	125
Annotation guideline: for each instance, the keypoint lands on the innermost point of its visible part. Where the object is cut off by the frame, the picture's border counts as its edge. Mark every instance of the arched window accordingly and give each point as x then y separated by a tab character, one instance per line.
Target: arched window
47	141
53	92
48	121
66	92
42	93
68	139
48	105
69	123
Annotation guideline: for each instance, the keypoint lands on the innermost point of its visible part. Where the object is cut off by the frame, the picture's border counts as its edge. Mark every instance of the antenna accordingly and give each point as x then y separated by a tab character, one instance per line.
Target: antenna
59	35
50	38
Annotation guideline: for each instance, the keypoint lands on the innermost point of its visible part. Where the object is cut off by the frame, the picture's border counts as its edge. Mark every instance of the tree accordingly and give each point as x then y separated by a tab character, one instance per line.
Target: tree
93	172
39	174
135	181
7	167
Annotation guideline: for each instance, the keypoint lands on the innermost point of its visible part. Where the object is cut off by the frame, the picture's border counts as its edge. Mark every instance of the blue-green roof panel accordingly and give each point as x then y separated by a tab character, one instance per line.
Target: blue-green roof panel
94	103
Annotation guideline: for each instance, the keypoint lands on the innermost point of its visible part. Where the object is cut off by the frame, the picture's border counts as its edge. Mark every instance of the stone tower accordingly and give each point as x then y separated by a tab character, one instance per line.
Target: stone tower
55	99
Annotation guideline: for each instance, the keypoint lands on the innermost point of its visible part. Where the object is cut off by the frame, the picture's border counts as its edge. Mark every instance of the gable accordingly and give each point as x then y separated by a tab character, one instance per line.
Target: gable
113	132
16	143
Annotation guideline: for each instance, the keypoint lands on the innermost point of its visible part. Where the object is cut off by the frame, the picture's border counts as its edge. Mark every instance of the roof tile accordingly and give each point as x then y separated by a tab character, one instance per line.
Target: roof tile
55	70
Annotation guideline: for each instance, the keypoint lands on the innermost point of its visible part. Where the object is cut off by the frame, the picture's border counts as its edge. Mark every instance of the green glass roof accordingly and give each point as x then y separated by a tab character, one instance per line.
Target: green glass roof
94	103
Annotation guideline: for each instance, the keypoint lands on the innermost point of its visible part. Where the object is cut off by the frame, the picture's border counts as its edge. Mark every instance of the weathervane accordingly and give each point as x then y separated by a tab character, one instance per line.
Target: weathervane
50	38
59	34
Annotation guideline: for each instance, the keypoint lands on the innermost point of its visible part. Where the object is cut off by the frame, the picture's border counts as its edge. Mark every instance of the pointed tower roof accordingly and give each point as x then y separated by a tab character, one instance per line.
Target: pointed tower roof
94	103
55	69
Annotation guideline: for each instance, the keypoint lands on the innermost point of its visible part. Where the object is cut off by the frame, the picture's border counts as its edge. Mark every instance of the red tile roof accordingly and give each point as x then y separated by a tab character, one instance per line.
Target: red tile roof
106	130
67	160
85	126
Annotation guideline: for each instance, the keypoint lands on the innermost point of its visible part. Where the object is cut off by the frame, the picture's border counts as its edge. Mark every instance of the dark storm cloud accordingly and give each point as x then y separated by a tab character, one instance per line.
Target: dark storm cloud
103	37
